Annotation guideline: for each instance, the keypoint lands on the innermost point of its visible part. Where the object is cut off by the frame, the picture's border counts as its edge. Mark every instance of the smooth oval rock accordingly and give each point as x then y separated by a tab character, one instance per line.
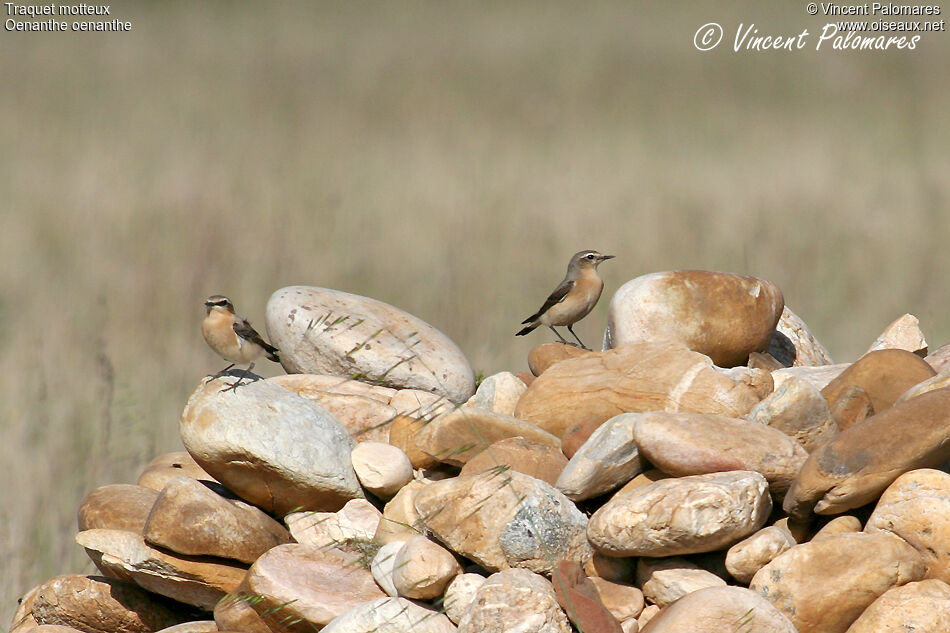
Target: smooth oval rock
543	356
883	374
695	444
170	465
503	520
390	615
824	585
270	446
381	468
498	393
722	315
797	409
666	580
514	600
422	569
117	507
918	607
751	554
541	461
623	601
460	593
720	609
916	507
686	515
607	460
324	331
866	458
383	565
641	376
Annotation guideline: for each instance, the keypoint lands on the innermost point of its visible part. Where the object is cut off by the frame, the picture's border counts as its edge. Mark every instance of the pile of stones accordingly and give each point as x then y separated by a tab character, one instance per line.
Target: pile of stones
710	470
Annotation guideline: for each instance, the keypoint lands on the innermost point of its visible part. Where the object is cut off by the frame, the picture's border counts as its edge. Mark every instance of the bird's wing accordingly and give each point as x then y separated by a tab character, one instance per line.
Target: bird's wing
244	330
556	297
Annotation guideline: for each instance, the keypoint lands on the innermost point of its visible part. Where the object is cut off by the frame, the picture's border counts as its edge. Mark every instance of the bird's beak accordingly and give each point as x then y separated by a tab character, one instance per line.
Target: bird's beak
606	257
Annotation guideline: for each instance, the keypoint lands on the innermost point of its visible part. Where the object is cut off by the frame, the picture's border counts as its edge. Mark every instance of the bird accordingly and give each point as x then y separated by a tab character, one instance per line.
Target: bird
233	338
574	297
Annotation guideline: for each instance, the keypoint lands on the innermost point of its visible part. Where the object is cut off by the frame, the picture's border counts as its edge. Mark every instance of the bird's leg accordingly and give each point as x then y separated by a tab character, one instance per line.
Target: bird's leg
560	338
237	383
223	371
578	338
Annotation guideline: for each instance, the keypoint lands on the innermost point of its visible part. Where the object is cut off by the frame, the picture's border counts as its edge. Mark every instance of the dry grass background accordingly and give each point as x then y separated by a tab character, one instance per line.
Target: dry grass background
444	157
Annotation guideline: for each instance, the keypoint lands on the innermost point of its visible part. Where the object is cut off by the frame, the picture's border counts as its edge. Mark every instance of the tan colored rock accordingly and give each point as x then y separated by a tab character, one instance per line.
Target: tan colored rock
799	529
459	436
541	461
839	525
646	477
99	605
169	465
686	515
939	381
640	376
460	594
312	386
381	468
190	519
818	376
665	580
366	419
390	615
577	434
939	359
514	600
314	584
884	374
916	507
618	570
649	612
497	519
235	613
720	609
793	344
383	566
695	444
920	607
421	404
852	405
358	521
722	315
823	586
866	458
324	331
630	626
904	333
624	602
273	448
400	520
608	459
199	581
23	619
798	410
543	356
751	554
117	507
498	393
402	435
423	569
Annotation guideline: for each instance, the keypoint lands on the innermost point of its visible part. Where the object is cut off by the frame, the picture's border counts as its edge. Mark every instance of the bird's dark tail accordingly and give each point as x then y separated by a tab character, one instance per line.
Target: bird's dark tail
271	353
525	330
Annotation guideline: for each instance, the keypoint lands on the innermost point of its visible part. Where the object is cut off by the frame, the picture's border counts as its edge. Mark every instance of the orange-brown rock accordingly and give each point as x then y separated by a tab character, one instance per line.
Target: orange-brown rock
116	507
917	607
722	315
852	405
580	600
541	461
169	465
235	613
402	433
865	459
939	381
577	434
885	374
547	354
639	376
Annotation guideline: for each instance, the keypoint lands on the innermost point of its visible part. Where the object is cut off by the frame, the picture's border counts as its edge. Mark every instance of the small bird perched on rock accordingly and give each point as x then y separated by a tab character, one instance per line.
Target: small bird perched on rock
573	299
232	337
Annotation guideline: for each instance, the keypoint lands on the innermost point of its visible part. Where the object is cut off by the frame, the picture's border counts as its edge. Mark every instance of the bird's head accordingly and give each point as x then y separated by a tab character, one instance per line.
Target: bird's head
218	302
588	259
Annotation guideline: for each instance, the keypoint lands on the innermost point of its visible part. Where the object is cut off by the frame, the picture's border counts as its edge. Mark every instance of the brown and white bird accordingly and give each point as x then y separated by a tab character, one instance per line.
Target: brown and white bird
232	337
573	299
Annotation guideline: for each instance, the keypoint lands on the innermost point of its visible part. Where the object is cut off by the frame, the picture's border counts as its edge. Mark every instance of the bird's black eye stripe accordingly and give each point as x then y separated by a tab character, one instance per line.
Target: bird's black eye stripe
590	256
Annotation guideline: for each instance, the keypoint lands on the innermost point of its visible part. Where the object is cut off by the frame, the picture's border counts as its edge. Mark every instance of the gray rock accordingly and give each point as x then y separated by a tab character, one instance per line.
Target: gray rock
607	460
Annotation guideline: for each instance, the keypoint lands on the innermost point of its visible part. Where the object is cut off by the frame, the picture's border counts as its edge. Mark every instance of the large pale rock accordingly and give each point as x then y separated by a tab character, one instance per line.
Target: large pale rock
357	521
718	610
390	615
170	465
916	507
99	605
323	331
498	393
904	333
751	554
798	410
818	376
547	354
400	520
514	600
309	584
381	468
722	315
793	344
460	594
885	374
824	585
423	569
939	381
541	461
366	418
199	581
666	580
608	459
116	507
695	444
459	436
503	520
917	607
188	518
866	458
687	515
270	446
639	376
